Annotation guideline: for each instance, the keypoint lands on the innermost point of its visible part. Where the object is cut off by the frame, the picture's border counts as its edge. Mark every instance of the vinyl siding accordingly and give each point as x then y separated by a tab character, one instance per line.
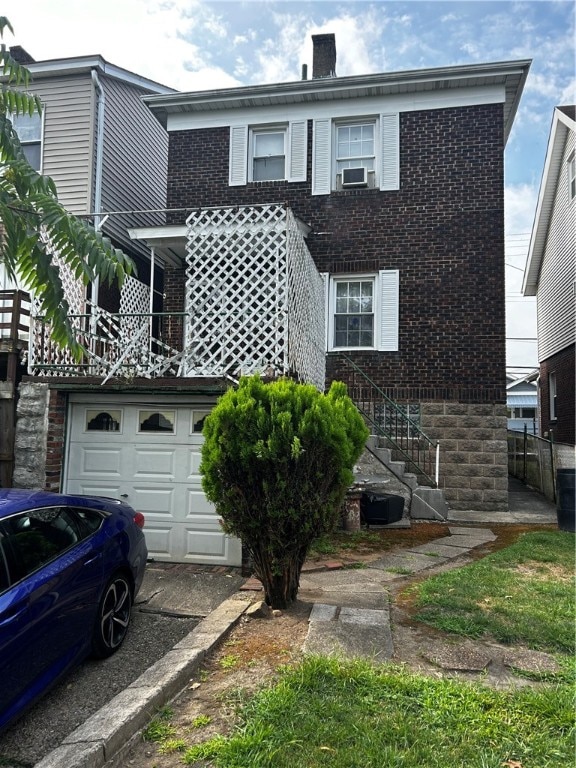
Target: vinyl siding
135	162
67	138
556	288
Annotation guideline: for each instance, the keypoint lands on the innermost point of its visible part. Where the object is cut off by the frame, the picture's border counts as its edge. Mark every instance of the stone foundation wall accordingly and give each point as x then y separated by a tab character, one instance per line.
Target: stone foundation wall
30	448
473	453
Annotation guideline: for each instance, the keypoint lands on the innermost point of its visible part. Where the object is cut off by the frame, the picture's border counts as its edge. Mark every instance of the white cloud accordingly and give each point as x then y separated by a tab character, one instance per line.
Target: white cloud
519	208
144	36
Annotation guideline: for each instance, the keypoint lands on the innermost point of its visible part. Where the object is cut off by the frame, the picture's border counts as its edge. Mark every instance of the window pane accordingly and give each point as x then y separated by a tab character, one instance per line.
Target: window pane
266	144
32	153
156	421
28	127
268	169
103	421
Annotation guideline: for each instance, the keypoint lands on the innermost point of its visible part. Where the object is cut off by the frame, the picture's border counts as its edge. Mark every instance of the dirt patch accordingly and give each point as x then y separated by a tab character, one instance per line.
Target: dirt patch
545	572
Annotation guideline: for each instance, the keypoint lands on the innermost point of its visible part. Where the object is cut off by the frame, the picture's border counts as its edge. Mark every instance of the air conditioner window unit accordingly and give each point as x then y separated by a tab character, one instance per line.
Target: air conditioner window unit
354	177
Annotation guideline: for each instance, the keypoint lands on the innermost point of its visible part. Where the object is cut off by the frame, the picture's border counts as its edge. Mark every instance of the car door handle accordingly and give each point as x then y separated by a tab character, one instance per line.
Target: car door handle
93	559
123	495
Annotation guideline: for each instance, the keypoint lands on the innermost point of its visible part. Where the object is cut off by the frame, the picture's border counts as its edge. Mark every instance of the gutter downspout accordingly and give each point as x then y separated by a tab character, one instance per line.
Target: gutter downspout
97	207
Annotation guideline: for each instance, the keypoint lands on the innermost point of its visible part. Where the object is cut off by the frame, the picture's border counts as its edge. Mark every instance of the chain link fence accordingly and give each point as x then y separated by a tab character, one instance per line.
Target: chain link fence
535	460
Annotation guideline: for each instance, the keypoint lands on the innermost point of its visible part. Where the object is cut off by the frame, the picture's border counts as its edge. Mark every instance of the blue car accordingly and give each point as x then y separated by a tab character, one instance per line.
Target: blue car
70	567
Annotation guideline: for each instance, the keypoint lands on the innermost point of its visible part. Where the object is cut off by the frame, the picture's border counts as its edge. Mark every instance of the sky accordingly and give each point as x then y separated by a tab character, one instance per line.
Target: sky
204	44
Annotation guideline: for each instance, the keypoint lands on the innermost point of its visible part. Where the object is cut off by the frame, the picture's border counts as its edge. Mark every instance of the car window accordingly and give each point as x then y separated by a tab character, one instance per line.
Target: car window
4	580
88	520
33	538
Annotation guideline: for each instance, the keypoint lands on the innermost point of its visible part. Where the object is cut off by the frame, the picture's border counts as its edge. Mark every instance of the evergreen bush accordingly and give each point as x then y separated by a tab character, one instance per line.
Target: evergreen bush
276	462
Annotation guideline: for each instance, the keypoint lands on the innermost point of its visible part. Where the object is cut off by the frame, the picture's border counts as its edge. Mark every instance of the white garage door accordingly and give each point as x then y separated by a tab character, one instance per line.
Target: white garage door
148	453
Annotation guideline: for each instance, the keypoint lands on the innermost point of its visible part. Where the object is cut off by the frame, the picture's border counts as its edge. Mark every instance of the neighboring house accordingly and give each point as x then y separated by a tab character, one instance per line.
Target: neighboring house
309	224
550	275
522	404
105	152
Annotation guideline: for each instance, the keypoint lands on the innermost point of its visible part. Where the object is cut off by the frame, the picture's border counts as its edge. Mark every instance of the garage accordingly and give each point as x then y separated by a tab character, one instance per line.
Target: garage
147	450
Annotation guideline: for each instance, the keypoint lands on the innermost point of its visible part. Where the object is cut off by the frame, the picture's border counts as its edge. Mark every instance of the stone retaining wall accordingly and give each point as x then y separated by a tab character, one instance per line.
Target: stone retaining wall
473	453
30	448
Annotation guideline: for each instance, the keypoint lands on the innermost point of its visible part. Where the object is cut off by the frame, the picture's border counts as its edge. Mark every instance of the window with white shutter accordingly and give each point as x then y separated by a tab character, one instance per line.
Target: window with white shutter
356	153
363	311
268	152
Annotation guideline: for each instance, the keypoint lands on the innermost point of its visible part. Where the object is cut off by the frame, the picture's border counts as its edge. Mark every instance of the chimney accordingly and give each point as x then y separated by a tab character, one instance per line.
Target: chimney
20	55
324	56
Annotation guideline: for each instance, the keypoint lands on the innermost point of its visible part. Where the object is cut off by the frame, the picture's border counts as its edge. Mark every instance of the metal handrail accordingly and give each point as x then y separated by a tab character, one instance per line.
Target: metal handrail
390	422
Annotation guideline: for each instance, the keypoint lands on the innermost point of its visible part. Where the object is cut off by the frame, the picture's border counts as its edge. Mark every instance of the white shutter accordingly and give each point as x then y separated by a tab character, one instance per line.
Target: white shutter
238	154
389	309
326	280
297	150
390	151
321	157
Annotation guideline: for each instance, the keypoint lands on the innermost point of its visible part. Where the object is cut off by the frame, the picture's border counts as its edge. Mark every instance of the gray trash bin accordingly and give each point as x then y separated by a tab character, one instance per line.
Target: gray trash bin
566	499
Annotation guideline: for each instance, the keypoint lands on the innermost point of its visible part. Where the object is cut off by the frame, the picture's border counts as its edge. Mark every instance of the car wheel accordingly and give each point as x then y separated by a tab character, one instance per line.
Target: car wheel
113	617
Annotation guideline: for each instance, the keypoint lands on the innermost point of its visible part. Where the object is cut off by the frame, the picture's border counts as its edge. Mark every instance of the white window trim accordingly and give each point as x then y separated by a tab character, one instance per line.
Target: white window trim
262	129
386	309
553	396
37	141
355	121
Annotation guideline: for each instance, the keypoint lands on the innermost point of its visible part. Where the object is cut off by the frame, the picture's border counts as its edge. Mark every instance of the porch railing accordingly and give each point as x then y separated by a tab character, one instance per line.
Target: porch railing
14	315
391	423
122	345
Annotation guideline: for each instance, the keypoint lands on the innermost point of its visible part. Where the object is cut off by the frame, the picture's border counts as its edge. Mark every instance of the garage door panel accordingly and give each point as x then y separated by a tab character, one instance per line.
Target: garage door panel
98	461
151	462
157	500
94	489
160	540
194	459
198	504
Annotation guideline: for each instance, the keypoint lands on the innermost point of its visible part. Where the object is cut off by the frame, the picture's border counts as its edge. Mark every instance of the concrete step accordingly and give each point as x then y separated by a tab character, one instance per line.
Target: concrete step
428	504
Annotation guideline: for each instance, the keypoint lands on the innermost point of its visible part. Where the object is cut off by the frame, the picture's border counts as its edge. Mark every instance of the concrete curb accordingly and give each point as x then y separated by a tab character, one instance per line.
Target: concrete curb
107	731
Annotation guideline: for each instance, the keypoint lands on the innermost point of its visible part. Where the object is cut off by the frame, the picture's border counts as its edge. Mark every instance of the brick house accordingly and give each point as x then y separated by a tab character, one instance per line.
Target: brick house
550	275
333	228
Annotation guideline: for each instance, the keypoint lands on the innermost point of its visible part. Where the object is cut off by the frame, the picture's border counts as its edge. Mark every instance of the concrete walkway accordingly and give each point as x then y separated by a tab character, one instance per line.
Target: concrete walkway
351	616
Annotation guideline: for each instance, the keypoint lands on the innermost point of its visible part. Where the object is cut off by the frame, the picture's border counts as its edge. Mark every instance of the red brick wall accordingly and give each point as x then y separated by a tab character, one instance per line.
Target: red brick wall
55	440
562	365
443	230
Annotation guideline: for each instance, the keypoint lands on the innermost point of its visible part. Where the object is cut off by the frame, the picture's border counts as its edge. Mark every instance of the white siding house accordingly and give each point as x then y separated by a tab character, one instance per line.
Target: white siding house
550	275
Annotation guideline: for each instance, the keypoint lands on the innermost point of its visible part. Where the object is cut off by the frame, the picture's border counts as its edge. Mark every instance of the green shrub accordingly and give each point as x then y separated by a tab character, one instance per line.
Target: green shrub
276	462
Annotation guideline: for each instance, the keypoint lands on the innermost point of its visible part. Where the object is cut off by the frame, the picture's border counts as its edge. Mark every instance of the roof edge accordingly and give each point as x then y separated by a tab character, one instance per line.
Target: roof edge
81	64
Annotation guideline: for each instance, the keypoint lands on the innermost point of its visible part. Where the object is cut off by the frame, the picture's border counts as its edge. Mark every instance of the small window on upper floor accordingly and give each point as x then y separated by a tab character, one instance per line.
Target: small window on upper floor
355	154
572	177
268	154
29	130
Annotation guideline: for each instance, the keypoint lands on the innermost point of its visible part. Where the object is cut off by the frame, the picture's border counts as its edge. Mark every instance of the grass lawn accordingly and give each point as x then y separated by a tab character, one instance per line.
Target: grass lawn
327	713
334	713
523	594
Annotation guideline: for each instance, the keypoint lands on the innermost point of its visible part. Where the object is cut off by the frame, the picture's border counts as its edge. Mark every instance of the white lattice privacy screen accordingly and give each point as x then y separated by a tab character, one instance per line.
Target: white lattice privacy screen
254	297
